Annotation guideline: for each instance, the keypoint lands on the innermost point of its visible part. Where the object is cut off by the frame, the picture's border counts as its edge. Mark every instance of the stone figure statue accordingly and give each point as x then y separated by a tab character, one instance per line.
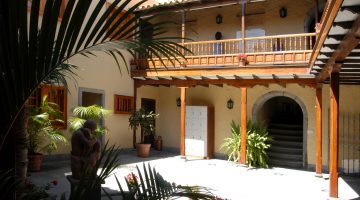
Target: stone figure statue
85	149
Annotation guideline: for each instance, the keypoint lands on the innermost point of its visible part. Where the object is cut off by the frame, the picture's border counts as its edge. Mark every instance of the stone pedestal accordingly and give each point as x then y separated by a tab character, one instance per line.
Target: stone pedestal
94	194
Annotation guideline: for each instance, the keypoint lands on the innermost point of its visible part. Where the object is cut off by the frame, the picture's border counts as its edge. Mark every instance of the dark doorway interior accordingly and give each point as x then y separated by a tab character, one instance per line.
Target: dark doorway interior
93	98
284	118
149	105
90	98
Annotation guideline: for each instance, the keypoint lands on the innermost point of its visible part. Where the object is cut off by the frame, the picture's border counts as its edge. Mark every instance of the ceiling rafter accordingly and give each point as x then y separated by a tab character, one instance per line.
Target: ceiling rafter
310	82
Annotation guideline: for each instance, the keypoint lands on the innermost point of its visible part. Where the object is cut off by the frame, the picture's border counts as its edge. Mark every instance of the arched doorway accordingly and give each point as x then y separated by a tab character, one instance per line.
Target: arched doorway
286	118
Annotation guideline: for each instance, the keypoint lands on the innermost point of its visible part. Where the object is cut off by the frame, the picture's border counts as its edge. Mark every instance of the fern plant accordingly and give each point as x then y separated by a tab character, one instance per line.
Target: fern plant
257	141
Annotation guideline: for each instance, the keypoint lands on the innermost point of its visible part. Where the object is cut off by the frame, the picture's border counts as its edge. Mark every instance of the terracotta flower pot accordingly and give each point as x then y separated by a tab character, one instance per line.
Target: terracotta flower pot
158	143
35	161
242	63
143	150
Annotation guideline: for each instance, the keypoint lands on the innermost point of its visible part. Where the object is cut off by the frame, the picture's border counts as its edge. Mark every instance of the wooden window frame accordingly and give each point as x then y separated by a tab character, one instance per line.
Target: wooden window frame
53	93
123	104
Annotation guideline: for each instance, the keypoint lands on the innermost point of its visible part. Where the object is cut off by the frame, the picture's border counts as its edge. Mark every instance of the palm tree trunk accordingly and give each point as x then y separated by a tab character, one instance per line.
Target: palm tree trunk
21	147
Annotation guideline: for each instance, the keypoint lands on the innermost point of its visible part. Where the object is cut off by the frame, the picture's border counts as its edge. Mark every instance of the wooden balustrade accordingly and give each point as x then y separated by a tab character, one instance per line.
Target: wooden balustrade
265	49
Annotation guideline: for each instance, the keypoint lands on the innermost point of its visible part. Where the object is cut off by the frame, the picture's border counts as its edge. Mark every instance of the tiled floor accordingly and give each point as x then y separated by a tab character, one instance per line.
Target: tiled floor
227	179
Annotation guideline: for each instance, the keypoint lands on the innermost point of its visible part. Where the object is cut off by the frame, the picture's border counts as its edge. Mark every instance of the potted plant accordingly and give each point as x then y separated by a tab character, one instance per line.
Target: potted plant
43	134
242	58
146	121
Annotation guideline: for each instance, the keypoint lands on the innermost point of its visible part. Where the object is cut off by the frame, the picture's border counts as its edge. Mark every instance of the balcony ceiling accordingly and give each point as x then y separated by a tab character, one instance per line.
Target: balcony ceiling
234	76
192	4
340	49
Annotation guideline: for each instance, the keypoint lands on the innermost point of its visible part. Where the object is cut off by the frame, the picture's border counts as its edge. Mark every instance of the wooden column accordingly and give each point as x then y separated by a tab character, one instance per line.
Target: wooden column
243	7
135	98
243	125
316	11
182	120
319	131
334	133
183	20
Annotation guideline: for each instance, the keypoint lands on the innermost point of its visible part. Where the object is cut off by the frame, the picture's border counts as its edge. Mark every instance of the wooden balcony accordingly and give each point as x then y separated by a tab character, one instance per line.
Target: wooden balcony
290	50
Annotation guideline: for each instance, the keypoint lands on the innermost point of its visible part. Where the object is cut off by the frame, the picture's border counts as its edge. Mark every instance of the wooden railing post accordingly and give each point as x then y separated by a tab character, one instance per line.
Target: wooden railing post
183	21
243	7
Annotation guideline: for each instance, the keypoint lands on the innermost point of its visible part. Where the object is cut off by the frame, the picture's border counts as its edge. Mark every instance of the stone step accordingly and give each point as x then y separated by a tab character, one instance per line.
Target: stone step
290	138
286	126
280	149
278	131
285	163
285	156
288	144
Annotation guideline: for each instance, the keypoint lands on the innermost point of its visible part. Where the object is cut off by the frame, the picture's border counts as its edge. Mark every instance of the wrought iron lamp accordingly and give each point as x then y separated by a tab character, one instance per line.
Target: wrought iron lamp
283	12
218	19
178	102
230	104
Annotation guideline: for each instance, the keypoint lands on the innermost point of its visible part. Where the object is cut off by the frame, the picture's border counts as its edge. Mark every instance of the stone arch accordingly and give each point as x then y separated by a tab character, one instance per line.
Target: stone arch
264	98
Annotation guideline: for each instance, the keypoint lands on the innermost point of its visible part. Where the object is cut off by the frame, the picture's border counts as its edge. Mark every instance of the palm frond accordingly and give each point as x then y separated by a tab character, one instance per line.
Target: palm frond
149	184
104	167
8	184
37	49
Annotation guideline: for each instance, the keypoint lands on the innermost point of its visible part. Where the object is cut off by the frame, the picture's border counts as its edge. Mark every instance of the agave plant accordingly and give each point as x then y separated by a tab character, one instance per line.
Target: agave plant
257	141
83	113
149	184
33	48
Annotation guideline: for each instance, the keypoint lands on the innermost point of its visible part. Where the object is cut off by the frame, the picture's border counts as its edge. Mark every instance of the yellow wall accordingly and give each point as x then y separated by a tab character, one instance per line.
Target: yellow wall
201	24
102	74
214	96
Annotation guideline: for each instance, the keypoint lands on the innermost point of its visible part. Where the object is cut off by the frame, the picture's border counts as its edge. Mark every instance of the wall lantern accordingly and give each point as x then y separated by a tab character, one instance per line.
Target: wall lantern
230	104
218	35
283	12
218	19
178	102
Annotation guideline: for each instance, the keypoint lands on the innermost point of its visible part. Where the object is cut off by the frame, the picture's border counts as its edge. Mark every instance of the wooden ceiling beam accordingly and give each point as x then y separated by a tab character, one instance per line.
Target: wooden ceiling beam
350	41
219	85
311	82
221	72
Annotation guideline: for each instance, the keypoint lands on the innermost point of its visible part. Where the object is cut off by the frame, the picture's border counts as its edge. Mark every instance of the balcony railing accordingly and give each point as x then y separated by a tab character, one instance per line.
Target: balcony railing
280	49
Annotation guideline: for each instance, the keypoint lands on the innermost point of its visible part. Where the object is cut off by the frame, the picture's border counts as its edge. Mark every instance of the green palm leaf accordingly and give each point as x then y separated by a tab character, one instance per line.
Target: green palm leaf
34	51
149	184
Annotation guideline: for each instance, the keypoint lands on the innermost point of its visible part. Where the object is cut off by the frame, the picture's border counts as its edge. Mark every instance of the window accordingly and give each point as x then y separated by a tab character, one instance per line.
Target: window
123	104
56	94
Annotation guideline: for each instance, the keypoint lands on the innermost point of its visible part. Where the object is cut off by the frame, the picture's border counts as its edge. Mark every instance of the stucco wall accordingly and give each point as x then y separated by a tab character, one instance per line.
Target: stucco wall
201	24
101	74
168	125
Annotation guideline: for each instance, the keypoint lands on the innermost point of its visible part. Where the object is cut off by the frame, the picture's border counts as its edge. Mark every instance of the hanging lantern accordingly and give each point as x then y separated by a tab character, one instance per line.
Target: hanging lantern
283	12
230	104
178	102
218	19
